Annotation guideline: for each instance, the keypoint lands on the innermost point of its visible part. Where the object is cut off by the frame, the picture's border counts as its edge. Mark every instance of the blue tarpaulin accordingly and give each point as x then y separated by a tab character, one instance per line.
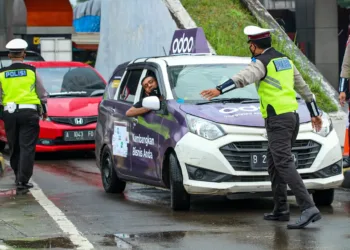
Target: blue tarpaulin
87	16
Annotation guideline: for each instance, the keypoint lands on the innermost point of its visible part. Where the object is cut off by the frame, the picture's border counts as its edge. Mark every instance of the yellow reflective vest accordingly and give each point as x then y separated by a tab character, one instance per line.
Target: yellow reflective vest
18	84
276	89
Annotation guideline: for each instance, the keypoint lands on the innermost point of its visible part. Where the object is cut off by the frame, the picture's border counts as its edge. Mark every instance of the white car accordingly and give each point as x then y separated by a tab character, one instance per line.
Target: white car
194	146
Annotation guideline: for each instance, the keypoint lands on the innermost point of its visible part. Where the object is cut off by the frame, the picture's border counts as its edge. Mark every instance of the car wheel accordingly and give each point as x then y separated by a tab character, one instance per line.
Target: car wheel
323	197
111	182
2	145
180	199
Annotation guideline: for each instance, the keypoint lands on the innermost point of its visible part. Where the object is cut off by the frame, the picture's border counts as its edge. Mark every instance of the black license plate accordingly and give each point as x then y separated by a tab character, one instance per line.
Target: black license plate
79	135
258	161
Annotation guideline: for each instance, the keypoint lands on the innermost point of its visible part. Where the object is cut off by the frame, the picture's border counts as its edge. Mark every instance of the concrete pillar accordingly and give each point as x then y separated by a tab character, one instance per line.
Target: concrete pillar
326	39
305	26
317	28
5	22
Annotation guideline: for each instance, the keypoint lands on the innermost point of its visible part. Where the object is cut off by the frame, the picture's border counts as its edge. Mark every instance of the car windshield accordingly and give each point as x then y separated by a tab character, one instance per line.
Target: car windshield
71	81
187	81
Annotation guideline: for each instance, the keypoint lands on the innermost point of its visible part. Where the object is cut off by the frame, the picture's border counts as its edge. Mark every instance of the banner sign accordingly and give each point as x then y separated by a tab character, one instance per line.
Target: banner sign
189	41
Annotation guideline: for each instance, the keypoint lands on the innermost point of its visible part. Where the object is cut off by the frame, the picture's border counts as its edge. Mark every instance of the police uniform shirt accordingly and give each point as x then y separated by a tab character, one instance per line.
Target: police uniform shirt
257	71
39	87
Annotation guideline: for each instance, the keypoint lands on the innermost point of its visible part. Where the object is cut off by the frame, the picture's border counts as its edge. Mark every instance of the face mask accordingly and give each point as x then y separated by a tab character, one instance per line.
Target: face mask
252	51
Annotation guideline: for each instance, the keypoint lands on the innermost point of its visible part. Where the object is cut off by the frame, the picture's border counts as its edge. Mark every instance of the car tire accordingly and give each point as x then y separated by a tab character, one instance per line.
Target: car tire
2	146
323	197
180	199
110	180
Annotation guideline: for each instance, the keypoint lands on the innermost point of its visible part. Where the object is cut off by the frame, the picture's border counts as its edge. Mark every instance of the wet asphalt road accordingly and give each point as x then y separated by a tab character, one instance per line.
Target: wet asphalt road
141	217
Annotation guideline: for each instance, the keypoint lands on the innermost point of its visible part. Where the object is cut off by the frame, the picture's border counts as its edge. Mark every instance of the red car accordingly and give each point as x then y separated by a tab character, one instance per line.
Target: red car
75	91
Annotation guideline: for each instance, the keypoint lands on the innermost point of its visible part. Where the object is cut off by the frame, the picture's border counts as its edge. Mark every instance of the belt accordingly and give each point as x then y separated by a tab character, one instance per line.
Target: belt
24	106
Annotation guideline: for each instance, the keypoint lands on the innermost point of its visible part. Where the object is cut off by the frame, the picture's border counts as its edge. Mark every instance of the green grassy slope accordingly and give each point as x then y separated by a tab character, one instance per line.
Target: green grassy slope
223	22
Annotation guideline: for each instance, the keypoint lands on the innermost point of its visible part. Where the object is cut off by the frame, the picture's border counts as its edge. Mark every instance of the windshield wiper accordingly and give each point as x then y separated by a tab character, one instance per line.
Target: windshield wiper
73	93
226	100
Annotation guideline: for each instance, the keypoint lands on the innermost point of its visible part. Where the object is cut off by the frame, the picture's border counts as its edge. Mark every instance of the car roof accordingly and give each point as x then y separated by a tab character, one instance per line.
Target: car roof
196	59
57	64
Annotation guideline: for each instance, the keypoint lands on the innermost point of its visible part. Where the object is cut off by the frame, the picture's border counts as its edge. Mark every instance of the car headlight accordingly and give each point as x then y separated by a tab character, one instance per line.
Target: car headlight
327	125
204	128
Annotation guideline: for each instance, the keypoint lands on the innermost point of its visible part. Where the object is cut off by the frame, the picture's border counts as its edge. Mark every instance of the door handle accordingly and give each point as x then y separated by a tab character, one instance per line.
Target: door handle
112	110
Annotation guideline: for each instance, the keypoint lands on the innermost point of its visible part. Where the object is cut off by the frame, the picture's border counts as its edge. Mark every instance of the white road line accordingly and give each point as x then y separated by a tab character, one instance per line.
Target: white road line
62	221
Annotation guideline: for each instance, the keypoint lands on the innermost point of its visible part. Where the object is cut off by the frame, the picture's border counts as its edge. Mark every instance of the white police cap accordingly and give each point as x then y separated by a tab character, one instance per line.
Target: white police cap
16	44
256	33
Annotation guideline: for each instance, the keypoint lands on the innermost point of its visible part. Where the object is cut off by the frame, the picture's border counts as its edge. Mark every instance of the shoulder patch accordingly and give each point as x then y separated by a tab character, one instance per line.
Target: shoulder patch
15	73
282	64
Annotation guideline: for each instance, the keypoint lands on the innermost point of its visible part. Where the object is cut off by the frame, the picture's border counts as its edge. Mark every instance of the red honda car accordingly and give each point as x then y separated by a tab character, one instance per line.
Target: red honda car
75	90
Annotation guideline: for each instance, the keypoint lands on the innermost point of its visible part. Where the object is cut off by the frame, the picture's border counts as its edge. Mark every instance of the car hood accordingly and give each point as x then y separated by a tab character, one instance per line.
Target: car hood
70	107
236	114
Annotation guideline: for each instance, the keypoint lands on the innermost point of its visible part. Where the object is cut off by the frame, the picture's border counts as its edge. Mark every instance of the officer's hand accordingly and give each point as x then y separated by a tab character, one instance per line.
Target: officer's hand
316	123
342	97
210	93
44	117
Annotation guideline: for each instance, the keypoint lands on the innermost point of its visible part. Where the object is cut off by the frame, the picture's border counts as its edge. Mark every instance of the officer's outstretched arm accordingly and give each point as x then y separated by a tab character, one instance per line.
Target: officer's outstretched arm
254	72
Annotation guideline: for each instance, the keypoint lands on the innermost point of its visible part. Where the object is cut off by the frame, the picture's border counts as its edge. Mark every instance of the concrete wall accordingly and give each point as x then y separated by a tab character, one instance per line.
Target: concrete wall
326	39
317	26
141	31
5	22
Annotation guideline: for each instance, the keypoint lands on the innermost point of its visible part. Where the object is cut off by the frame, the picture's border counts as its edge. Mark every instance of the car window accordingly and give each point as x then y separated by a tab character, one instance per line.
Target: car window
129	85
71	81
112	86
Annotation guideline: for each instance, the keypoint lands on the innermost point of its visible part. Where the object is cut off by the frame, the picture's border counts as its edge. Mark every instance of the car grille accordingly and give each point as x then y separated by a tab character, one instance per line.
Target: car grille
239	153
75	121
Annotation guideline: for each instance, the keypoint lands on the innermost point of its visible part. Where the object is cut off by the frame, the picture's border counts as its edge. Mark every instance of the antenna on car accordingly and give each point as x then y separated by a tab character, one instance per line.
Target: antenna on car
164	51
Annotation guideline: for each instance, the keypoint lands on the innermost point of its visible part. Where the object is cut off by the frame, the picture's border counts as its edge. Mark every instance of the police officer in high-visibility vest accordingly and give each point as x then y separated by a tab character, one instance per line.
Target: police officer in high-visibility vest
276	80
23	100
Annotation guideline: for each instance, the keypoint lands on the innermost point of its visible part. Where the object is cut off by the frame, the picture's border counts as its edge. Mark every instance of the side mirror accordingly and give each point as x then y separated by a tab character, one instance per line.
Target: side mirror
151	102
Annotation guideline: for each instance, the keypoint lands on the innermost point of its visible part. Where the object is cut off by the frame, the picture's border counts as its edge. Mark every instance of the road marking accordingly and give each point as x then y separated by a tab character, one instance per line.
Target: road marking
59	217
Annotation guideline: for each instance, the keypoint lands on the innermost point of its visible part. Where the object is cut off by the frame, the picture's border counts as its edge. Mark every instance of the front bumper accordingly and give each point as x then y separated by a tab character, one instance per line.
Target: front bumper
208	156
51	137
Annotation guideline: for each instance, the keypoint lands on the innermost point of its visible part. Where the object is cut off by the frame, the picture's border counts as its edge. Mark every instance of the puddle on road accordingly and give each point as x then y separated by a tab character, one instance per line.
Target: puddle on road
59	242
127	241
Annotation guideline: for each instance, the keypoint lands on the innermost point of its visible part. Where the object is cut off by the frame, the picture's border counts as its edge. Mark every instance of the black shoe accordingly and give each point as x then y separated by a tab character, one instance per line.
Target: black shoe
279	216
22	185
309	215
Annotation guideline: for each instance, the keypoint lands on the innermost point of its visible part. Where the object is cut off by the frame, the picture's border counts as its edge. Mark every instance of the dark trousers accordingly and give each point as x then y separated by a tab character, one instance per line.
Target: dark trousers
22	131
282	131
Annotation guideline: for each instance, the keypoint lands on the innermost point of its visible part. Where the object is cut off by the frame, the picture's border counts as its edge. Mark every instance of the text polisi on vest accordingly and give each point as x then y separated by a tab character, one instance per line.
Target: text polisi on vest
182	45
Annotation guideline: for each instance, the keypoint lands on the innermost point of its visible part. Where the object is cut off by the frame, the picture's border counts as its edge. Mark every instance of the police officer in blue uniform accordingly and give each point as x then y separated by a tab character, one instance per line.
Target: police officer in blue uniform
276	80
23	99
